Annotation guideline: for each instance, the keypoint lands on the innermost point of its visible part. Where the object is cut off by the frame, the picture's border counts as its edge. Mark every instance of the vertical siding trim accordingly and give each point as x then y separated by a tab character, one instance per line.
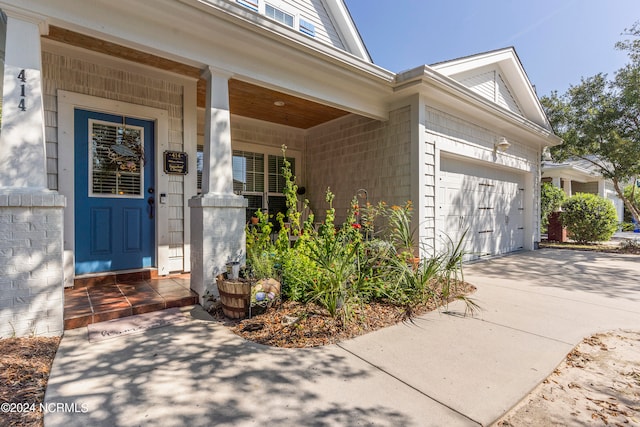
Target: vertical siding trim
423	202
190	187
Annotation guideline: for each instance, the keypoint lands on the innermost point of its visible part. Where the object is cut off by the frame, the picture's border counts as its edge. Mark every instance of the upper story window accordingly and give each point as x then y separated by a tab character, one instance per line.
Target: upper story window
278	15
289	18
307	28
251	4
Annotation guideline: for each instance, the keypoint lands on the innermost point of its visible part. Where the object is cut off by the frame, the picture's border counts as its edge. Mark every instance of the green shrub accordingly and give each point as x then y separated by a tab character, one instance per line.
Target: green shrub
336	254
589	218
551	198
627	226
299	273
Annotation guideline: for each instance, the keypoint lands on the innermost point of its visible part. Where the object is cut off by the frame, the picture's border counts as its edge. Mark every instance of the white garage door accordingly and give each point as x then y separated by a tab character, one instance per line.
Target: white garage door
486	202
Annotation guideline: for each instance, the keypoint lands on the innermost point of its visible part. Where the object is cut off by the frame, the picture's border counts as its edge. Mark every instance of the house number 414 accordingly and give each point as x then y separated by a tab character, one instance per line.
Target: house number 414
22	77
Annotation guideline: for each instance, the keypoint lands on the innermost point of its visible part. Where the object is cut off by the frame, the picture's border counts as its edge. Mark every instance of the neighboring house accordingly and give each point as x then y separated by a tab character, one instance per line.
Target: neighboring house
581	176
142	134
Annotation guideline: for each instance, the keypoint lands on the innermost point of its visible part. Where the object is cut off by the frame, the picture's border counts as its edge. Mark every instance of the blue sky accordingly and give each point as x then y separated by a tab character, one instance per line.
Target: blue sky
558	41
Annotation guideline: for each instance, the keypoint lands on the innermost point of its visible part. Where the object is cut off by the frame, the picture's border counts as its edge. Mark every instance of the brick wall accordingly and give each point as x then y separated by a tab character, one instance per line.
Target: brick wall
356	152
31	288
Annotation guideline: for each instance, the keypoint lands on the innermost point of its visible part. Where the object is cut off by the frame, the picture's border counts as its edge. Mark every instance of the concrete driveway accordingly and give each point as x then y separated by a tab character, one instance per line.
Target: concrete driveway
443	369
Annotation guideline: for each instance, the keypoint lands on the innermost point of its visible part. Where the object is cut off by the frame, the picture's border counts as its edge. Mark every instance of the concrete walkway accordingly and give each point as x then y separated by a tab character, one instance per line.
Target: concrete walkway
442	370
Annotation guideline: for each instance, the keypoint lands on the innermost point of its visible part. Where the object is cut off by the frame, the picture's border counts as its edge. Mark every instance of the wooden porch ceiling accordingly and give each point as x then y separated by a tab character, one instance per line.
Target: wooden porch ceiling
245	99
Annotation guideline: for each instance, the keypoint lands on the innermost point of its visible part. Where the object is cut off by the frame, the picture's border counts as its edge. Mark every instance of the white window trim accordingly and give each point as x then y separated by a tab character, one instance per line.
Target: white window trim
90	163
284	8
271	151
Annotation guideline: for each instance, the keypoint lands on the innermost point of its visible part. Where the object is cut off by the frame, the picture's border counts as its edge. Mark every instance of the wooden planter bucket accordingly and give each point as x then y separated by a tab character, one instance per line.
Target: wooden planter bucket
235	297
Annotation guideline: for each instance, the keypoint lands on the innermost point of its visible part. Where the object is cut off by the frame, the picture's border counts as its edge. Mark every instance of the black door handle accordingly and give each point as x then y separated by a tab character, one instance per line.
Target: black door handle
151	201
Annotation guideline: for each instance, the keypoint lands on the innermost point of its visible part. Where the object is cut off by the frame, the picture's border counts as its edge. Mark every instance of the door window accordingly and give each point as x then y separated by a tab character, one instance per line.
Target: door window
116	159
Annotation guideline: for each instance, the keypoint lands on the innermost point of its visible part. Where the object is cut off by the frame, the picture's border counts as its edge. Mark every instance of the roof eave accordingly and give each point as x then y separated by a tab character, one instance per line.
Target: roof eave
421	79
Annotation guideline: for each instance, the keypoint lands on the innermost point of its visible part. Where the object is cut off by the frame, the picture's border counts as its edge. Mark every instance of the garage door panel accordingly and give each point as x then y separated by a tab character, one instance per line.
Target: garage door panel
485	201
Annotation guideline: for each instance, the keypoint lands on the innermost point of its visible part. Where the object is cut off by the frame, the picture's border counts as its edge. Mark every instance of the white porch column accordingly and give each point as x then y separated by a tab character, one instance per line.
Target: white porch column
567	187
31	216
218	215
555	181
22	146
602	188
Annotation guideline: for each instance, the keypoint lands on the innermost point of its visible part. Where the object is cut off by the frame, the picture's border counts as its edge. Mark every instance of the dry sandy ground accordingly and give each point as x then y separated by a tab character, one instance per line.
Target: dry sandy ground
598	384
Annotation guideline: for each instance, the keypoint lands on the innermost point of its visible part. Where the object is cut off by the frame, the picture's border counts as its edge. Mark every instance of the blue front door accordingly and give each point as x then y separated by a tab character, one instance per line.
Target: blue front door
114	192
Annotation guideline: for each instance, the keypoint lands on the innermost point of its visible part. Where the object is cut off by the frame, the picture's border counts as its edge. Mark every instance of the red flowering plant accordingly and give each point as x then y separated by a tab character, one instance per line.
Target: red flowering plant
368	215
352	226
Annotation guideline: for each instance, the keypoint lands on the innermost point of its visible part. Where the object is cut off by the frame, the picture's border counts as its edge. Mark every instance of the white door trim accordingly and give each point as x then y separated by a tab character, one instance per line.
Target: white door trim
67	103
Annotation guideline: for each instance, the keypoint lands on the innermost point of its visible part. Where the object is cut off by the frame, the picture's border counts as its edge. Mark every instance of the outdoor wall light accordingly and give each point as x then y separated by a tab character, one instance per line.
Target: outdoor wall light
279	103
501	145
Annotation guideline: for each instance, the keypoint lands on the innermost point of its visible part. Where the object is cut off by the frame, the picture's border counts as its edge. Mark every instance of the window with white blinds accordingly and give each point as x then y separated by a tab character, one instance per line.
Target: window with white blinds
248	172
116	160
258	177
276	180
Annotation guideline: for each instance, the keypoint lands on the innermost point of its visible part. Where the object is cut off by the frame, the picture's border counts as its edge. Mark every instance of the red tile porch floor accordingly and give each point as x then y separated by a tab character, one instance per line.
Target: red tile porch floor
99	298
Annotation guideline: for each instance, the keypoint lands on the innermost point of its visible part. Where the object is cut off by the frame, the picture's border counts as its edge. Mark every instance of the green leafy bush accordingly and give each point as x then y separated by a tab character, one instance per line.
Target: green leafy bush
589	218
551	199
336	254
260	254
299	273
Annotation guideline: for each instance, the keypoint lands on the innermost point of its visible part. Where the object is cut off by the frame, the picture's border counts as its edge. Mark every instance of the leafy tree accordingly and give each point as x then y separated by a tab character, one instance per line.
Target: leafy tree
632	46
599	121
632	192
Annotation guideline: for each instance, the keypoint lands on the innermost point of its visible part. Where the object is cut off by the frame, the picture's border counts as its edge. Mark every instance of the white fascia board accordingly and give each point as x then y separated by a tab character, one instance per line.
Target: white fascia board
447	92
461	65
226	36
343	21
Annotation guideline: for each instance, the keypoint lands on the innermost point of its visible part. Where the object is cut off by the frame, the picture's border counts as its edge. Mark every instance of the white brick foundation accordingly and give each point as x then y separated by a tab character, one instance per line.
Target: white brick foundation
217	238
31	286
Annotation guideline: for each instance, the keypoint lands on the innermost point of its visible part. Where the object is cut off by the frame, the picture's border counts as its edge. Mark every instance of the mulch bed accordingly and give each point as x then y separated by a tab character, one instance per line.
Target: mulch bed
295	325
24	371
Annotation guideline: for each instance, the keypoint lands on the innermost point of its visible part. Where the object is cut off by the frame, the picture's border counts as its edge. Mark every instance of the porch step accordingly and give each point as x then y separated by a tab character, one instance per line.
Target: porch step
111	278
114	296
